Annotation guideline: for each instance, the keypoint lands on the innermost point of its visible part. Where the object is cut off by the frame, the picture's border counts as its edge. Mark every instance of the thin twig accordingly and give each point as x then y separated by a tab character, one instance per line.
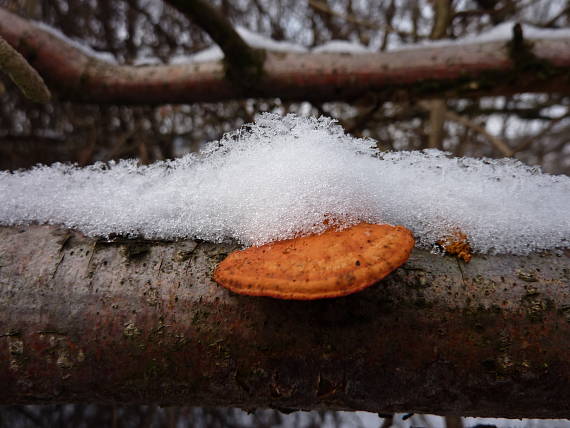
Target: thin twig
529	140
499	144
315	4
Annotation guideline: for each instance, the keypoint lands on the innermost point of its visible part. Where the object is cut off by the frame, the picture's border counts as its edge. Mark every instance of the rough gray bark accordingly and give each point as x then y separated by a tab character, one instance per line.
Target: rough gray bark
142	322
473	70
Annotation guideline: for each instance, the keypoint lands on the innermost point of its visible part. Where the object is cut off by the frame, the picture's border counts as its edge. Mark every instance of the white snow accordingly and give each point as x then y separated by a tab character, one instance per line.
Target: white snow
501	32
87	50
214	53
498	33
263	42
341	46
281	176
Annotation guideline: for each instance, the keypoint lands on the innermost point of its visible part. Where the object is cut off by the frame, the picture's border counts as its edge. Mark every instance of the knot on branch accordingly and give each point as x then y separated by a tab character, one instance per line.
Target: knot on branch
245	70
523	57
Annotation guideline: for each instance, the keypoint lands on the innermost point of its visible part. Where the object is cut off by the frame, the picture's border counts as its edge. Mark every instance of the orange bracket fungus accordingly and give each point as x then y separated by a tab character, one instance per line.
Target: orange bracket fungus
331	264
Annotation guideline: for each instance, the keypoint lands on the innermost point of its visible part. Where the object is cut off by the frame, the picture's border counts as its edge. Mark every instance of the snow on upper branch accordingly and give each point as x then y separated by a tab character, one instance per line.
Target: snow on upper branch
498	33
256	40
87	50
502	32
282	176
341	46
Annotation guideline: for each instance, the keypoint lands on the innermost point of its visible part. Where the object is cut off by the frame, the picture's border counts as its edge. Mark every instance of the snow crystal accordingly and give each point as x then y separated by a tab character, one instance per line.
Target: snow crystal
282	176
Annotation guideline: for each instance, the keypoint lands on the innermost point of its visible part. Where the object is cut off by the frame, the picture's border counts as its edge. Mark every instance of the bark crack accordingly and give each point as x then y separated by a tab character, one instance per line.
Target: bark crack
461	272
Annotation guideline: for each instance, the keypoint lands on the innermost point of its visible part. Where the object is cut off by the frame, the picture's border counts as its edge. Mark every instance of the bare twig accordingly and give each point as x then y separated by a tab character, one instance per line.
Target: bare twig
563	12
499	144
389	13
529	140
363	118
318	5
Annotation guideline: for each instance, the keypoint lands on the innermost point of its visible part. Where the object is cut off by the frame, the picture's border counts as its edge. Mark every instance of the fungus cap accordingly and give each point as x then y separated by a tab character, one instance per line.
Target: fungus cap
332	264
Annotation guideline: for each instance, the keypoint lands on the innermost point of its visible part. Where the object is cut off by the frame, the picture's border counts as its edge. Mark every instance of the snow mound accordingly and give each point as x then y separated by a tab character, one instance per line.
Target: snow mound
283	176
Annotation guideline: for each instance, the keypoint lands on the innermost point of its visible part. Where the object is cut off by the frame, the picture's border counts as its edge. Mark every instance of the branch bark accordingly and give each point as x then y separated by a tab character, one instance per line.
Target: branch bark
140	322
450	71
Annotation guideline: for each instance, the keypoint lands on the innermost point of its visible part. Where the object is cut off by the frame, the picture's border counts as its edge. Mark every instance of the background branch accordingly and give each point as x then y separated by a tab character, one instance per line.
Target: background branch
458	71
499	144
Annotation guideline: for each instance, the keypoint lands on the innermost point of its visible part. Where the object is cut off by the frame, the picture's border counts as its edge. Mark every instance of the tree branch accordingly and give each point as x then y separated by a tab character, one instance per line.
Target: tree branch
442	18
450	71
244	64
486	339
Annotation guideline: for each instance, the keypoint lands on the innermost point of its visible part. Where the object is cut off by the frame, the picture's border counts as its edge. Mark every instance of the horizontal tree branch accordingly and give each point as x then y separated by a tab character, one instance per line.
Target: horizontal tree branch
83	320
450	71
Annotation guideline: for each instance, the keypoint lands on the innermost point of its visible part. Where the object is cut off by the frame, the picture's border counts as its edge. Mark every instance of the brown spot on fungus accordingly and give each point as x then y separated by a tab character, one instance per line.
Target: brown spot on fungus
317	266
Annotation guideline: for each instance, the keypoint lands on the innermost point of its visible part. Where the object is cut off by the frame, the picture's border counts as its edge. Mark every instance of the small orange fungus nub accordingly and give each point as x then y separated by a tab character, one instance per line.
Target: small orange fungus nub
457	244
331	264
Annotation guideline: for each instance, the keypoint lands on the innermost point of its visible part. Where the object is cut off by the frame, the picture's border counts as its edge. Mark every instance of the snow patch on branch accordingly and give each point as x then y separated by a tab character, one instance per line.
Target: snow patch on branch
87	50
501	32
282	176
255	40
342	46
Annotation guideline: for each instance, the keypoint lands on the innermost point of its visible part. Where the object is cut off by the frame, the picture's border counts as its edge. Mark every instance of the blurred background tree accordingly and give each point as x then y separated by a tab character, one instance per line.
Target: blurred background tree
534	127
